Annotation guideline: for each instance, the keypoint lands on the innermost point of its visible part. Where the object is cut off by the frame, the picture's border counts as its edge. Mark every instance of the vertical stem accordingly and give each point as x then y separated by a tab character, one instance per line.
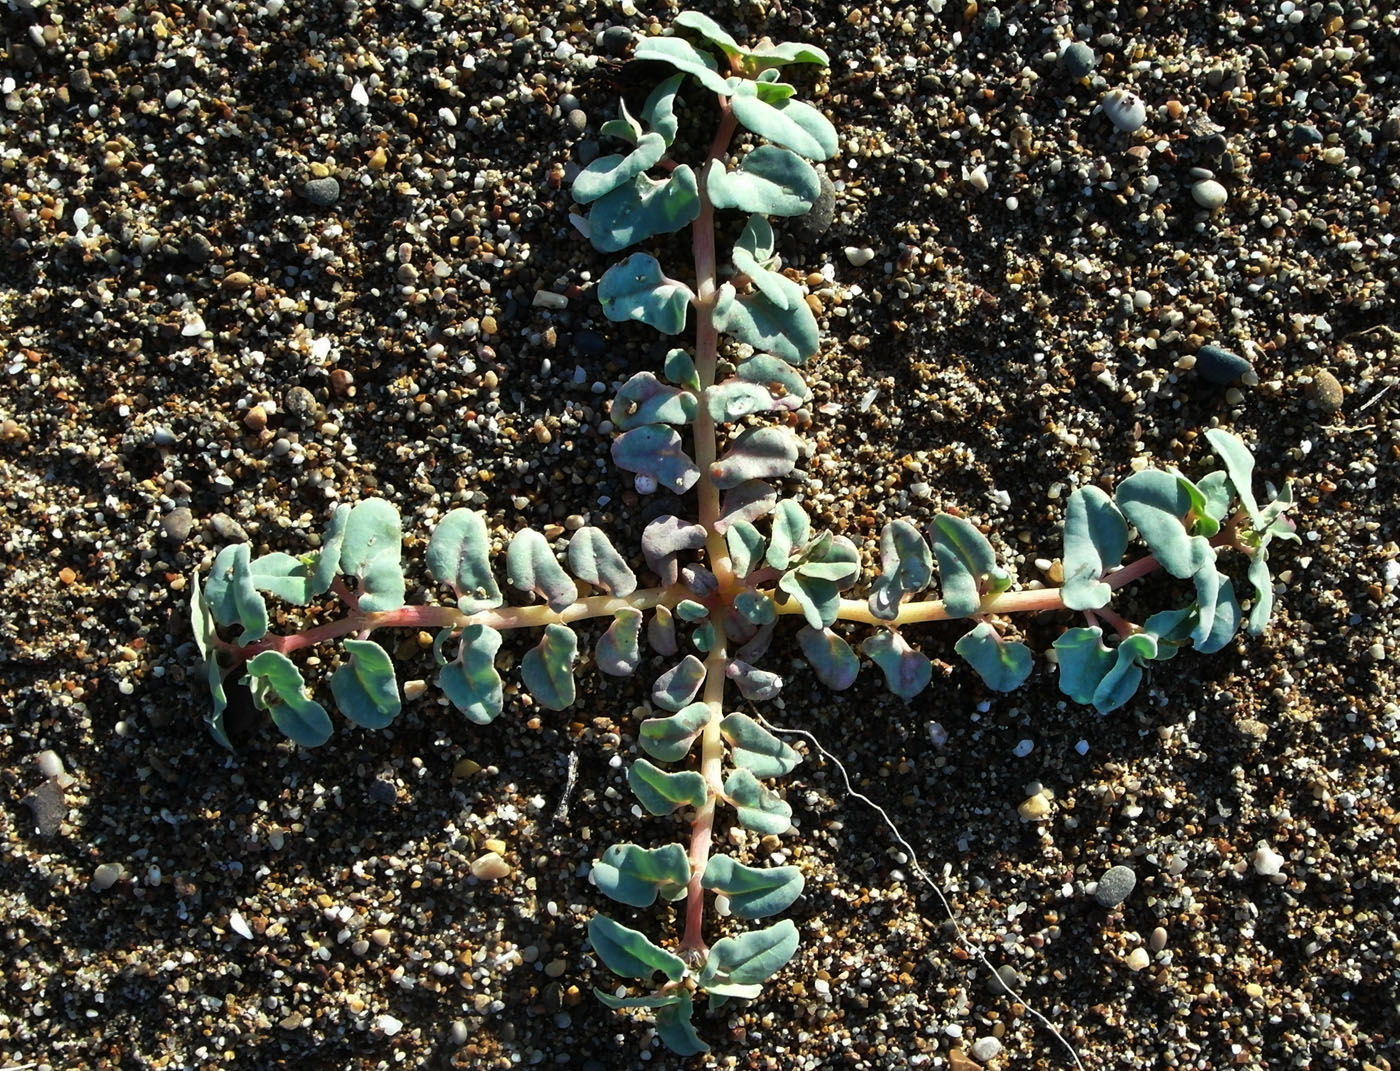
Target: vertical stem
703	827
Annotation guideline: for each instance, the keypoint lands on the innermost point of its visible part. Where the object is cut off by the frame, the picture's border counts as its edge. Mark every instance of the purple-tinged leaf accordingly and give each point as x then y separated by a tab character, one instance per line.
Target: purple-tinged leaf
548	668
679	685
644	399
661	793
755	749
907	672
748	502
655	452
757	454
669	739
459	555
617	652
661	632
594	561
531	566
755	685
831	657
1002	666
663	539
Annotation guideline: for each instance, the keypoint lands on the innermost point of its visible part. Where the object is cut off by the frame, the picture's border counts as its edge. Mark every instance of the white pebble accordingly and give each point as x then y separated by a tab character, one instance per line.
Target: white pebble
106	875
1125	110
1138	959
239	925
547	299
1267	862
388	1025
859	256
50	765
490	867
1209	194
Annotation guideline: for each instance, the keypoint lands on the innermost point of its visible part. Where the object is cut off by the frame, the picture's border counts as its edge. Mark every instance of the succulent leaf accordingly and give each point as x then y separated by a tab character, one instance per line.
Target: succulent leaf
757	454
365	688
760	809
231	595
618	652
637	876
750	958
1157	504
669	739
907	671
532	567
678	686
595	561
906	568
754	748
644	399
642	208
831	657
630	954
1096	535
548	668
1002	666
753	892
371	552
470	681
660	792
278	688
459	555
607	173
637	289
769	180
967	565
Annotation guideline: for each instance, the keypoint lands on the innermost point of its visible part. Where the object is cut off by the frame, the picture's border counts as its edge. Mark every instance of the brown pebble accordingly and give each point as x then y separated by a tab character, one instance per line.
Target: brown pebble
255	419
488	325
341	381
237	281
378	160
67	575
1324	391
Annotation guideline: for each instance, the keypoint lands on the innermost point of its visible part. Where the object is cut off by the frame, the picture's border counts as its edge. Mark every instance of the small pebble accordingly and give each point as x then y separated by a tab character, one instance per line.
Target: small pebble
1209	194
818	220
322	192
48	762
1217	365
1125	110
298	401
381	937
388	1025
1115	886
1266	861
106	875
577	120
1034	808
48	808
1137	959
985	1049
1078	59
859	256
1325	391
490	867
1158	940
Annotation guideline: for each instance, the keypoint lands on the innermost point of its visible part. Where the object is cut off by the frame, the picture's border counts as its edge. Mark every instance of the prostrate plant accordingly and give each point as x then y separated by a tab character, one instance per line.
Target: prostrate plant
723	585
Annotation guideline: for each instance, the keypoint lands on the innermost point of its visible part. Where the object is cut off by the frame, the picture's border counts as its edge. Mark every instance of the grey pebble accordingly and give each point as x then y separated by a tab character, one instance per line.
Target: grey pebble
1325	391
1004	980
177	524
382	791
1078	59
1217	365
47	805
817	222
199	249
1209	194
567	102
1115	886
616	39
322	192
578	120
984	1049
227	529
298	401
1306	134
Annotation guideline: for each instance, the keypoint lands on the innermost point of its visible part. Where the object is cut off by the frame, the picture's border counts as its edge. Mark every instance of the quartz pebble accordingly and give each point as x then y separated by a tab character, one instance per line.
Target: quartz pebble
985	1049
490	867
1125	110
1266	861
1137	959
106	875
1034	808
1324	391
48	762
1209	194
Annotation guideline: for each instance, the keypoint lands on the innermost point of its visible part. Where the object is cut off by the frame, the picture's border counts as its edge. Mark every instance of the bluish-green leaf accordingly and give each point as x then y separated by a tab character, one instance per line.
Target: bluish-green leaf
735	399
760	809
684	56
690	611
371	552
1096	535
651	1000
532	567
967	565
1157	503
788	331
643	207
365	688
1207	581
205	638
1239	467
471	682
663	539
673	1026
1171	629
661	632
618	653
669	739
1084	661
746	547
679	368
1201	520
644	399
678	685
1215	489
637	876
594	560
1002	666
753	892
756	608
1225	621
661	792
831	657
757	454
757	240
907	671
705	638
637	289
459	555
548	668
906	568
1263	585
754	748
278	688
791	530
659	111
1122	680
819	599
607	173
624	127
753	59
655	451
780	378
790	122
282	575
750	958
232	597
328	556
754	684
630	954
770	180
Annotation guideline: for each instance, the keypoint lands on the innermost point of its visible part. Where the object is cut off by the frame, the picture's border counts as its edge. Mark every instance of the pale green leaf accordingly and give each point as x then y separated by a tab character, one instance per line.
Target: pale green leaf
365	688
548	668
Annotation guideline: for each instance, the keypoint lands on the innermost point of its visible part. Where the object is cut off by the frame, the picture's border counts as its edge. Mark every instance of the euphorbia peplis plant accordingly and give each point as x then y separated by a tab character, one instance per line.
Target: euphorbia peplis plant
743	558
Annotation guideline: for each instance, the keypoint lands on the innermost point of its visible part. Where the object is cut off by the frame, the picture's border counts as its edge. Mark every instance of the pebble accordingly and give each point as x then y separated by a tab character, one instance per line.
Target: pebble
1115	886
1266	861
237	281
227	529
388	1025
381	937
106	875
48	762
818	219
1209	194
177	524
48	808
322	192
1078	59
199	249
859	256
1222	366
616	39
1158	940
298	401
1137	959
577	120
1125	110
985	1049
1324	391
1034	808
490	867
